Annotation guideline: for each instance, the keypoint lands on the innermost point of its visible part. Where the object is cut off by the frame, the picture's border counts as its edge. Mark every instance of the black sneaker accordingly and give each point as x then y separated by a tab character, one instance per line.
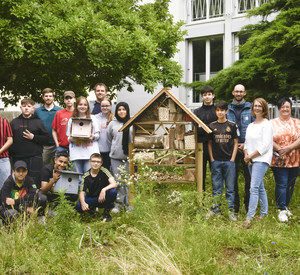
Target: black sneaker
106	217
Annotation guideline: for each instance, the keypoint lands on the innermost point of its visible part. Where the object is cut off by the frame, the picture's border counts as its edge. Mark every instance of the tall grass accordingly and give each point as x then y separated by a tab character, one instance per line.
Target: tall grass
167	233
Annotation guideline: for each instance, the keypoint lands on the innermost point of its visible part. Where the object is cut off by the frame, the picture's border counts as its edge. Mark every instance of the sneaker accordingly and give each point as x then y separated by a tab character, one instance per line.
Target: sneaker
115	210
288	212
106	217
247	223
233	217
283	216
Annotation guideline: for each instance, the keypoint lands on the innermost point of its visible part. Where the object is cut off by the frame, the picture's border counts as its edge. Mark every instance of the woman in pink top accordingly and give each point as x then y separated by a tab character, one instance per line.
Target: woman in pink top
286	157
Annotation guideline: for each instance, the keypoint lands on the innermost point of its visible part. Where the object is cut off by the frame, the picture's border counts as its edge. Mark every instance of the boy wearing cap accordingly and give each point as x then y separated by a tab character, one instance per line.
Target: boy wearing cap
18	193
60	122
46	114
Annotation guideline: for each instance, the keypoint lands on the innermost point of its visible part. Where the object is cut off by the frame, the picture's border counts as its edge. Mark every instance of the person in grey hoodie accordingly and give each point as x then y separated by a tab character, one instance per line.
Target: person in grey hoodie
118	142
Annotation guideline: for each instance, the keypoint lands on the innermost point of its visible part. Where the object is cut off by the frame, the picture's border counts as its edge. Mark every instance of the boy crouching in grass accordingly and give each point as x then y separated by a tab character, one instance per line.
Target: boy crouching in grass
222	148
19	193
97	189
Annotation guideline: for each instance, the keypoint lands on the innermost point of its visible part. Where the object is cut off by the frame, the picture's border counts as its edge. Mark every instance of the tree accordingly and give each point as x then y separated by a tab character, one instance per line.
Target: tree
73	44
271	57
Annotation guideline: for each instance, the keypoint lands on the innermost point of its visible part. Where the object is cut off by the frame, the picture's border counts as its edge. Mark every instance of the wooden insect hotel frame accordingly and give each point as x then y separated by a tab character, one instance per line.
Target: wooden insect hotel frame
165	134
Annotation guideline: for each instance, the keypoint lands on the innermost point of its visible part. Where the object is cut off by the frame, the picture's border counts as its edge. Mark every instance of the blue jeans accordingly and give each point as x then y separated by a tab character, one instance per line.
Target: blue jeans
4	170
110	198
257	189
220	171
285	181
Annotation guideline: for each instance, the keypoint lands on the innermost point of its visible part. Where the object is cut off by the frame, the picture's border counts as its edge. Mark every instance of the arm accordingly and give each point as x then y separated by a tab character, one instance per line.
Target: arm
55	138
210	150
84	205
248	158
41	138
46	186
283	151
7	144
267	139
235	149
112	184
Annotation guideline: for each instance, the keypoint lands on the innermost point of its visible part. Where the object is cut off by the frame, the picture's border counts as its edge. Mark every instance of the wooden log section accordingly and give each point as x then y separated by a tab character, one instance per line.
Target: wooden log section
147	142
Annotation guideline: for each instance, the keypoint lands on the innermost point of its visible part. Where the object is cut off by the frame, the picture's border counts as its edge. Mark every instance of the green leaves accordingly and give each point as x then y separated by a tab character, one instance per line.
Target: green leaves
69	44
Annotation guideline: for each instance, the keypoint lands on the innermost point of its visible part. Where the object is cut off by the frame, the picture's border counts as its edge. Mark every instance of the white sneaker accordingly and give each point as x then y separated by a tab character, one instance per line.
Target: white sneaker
288	212
282	216
115	210
233	217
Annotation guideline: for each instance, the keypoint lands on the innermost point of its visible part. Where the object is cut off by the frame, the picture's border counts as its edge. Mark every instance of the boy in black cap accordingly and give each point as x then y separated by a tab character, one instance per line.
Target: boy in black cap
18	192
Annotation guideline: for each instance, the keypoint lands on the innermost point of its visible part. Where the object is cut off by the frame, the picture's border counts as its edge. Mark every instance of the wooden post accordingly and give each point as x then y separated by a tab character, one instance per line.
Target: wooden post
131	172
199	167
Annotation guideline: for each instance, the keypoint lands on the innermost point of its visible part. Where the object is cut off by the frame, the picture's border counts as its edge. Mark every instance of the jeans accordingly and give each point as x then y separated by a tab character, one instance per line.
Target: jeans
220	171
110	197
122	189
257	189
285	181
206	160
240	158
81	166
5	170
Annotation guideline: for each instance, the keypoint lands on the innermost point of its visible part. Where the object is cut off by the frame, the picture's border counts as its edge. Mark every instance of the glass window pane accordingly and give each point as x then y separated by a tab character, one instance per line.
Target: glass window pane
216	55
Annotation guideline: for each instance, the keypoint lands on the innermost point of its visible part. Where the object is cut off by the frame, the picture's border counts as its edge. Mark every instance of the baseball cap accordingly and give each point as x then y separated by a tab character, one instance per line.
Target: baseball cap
69	93
20	164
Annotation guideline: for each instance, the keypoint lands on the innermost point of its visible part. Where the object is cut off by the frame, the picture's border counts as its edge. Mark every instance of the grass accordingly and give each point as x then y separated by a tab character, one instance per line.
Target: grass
167	233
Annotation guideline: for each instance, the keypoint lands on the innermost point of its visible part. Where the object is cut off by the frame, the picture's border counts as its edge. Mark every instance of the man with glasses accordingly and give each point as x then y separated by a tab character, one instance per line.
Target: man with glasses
239	111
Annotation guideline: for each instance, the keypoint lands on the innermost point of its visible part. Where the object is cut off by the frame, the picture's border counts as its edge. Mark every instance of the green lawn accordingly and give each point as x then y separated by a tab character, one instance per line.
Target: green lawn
167	233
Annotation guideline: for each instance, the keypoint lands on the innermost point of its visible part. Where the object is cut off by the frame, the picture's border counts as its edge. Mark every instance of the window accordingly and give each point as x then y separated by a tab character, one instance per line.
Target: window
206	9
244	5
207	60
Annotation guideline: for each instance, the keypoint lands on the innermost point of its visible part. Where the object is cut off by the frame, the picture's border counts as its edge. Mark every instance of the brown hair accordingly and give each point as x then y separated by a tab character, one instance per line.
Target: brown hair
76	113
265	108
47	90
100	84
27	100
110	115
96	156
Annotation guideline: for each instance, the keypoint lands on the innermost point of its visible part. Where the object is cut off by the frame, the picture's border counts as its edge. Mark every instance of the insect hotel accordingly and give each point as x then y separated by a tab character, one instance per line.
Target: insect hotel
165	134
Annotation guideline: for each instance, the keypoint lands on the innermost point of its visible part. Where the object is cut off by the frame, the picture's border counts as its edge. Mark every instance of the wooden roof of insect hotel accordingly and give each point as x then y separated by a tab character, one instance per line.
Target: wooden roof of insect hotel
165	99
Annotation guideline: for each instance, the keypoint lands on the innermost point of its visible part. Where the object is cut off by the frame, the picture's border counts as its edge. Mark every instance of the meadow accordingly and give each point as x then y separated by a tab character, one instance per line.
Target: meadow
166	233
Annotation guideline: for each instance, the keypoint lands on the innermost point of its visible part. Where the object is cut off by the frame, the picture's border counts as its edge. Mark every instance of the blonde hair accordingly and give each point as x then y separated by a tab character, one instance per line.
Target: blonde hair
110	115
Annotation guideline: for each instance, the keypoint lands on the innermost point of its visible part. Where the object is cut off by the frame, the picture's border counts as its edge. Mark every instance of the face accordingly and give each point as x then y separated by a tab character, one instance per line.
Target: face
82	106
221	114
285	110
27	110
61	163
48	98
95	163
239	93
257	109
105	106
69	101
122	112
100	92
20	174
208	98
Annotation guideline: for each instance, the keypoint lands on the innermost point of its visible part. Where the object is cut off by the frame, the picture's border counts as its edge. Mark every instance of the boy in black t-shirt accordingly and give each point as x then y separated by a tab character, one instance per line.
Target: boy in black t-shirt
222	148
97	189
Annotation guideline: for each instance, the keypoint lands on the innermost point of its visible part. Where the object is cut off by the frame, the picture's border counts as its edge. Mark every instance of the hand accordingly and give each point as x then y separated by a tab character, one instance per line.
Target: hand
10	201
247	160
28	135
102	196
92	137
241	147
55	176
29	210
85	206
283	152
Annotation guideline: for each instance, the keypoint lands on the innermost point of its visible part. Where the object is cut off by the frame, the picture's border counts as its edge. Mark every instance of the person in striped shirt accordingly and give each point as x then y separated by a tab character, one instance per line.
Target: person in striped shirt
6	140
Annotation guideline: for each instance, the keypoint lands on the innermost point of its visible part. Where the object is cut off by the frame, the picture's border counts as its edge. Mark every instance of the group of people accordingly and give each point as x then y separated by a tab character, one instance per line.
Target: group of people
38	144
242	133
